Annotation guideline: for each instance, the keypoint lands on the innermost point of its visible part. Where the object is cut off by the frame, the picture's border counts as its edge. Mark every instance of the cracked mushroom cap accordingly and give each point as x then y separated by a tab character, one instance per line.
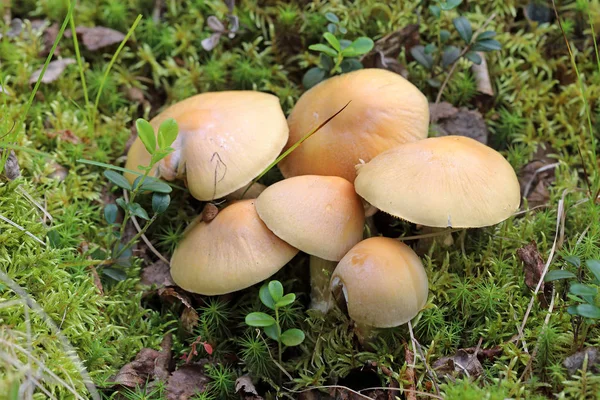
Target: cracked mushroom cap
225	140
450	181
385	110
230	253
383	281
320	215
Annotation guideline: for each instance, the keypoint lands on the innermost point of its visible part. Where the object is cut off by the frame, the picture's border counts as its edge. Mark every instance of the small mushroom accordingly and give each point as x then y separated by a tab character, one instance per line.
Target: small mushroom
385	110
225	140
320	215
383	283
232	252
440	182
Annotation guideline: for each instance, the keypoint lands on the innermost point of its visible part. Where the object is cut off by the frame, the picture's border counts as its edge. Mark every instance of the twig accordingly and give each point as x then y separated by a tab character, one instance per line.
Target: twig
35	203
529	184
462	53
3	218
430	372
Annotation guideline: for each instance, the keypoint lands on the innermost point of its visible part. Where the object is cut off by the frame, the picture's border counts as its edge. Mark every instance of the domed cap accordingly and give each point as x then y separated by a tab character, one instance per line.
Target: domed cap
450	181
225	140
383	281
385	110
230	253
320	215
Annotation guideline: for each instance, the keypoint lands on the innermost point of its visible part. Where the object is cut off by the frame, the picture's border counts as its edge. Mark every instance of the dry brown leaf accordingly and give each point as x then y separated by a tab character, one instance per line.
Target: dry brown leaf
139	371
54	71
97	37
65	135
533	265
537	176
157	273
449	120
11	169
387	49
161	365
189	319
170	293
245	388
461	363
186	382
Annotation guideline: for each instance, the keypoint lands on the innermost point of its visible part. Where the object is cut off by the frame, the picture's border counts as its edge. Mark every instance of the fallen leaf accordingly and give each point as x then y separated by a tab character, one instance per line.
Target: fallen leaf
55	69
386	51
449	120
574	362
482	76
97	37
533	265
50	35
186	381
537	176
157	273
189	319
58	172
161	365
168	293
139	371
245	388
65	135
11	169
461	363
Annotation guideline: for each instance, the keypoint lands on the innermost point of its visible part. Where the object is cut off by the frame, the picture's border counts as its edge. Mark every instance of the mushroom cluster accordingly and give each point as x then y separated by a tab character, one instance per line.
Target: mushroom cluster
376	152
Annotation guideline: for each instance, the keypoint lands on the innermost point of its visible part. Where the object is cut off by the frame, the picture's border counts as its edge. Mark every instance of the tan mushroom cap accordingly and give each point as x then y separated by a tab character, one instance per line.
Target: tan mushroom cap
230	253
227	138
386	110
450	181
384	282
320	215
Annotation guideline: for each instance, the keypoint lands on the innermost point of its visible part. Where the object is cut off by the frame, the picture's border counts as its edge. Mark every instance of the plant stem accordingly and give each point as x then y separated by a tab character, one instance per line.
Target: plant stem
136	237
320	274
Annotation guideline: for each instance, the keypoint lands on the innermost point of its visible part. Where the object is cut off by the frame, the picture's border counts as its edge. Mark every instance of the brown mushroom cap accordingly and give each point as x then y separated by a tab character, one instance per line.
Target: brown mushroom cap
450	181
384	282
320	215
230	253
225	140
386	110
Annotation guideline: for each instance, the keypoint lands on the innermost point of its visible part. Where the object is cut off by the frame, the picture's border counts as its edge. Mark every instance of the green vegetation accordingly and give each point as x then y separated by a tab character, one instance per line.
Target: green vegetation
64	225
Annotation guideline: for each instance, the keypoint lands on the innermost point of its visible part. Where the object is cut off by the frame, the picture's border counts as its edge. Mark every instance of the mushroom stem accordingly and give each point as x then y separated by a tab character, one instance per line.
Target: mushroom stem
320	275
365	334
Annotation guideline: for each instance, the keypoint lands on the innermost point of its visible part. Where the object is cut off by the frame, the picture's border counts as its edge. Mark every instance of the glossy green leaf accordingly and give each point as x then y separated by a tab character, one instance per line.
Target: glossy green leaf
117	179
292	337
588	293
138	211
259	319
345	43
418	53
276	290
594	267
265	296
146	134
272	332
588	311
332	40
434	82
167	133
286	300
342	30
350	64
444	35
487	45
360	46
473	57
326	63
155	185
573	260
312	77
115	274
160	202
331	17
430	48
558	274
435	10
486	35
450	55
122	203
323	48
450	4
331	28
463	27
110	213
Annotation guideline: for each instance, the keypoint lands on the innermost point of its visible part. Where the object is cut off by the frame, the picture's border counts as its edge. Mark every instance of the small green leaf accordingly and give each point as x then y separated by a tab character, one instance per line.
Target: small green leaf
332	40
54	238
473	57
558	274
110	213
160	202
573	260
342	30
272	332
259	319
325	62
117	179
160	154
265	296
486	35
594	267
323	49
286	300
435	10
276	290
167	133
451	54
434	82
331	28
487	45
138	211
122	203
331	17
584	310
430	48
345	43
312	77
450	4
444	35
418	52
292	337
463	27
115	274
350	64
584	291
154	185
572	310
146	134
360	46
